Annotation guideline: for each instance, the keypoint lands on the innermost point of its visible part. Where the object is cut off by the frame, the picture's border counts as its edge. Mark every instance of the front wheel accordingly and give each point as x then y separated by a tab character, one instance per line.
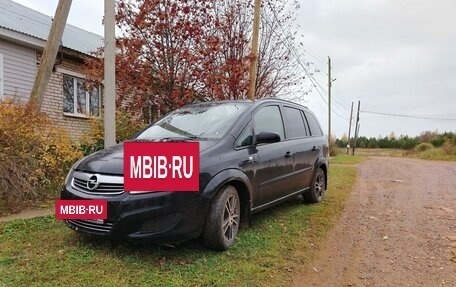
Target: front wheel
317	188
222	220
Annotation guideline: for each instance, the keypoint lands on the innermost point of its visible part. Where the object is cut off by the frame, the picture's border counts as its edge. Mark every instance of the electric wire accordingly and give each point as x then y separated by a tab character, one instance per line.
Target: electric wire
314	82
437	118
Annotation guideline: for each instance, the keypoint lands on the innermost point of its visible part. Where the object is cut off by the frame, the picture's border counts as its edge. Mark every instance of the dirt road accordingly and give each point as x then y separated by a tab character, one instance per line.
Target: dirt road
398	229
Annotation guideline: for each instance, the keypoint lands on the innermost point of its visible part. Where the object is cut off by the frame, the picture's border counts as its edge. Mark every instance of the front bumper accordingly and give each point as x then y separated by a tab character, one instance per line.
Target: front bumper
162	217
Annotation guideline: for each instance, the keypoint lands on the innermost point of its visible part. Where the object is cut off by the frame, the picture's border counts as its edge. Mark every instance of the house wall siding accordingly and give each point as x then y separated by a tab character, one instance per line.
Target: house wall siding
19	70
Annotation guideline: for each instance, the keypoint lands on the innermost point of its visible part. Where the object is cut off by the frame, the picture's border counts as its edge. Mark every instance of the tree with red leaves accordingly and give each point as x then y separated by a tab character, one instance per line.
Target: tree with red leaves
172	52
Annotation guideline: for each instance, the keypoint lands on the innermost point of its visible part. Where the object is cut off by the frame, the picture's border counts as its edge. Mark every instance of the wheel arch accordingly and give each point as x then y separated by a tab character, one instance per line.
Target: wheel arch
238	180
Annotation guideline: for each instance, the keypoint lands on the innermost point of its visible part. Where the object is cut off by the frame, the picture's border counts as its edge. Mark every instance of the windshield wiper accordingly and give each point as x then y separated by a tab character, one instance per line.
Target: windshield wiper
176	130
184	138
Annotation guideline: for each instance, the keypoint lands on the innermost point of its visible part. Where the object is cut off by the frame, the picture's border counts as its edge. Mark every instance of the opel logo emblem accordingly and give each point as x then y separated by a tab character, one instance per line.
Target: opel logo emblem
92	183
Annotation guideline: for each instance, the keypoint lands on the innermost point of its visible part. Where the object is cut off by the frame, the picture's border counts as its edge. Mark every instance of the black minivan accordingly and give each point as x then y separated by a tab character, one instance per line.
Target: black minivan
253	155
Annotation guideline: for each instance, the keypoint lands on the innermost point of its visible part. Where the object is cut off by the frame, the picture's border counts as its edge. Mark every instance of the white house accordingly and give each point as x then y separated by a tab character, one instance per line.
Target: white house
23	34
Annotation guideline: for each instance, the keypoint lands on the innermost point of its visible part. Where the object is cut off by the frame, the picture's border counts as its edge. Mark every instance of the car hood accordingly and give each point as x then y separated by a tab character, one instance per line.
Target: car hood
110	160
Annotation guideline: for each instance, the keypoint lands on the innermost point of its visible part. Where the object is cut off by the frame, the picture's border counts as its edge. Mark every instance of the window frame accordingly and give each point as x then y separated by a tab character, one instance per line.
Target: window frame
75	76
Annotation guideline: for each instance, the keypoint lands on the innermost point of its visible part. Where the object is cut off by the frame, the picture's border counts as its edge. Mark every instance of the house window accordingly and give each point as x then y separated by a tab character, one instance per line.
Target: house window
78	100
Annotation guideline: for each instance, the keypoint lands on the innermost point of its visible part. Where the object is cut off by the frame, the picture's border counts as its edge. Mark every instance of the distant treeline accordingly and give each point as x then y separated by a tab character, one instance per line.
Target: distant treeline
401	142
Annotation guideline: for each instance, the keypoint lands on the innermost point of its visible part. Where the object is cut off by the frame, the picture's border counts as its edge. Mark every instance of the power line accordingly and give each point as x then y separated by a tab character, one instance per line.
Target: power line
314	55
292	47
332	97
437	118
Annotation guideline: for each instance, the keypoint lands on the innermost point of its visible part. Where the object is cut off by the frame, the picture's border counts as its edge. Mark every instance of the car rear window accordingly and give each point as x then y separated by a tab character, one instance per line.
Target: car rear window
294	123
315	129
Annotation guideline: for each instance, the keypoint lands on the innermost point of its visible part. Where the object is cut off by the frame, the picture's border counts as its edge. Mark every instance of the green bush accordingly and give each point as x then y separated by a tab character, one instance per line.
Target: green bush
424	147
333	150
432	154
449	146
35	156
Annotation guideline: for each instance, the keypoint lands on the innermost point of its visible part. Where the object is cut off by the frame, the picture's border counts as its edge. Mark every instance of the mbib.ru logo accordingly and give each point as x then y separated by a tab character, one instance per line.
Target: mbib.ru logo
81	209
158	167
161	166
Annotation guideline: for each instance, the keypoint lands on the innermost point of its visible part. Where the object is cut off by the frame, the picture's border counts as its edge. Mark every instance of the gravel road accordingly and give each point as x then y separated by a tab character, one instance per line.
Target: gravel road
398	229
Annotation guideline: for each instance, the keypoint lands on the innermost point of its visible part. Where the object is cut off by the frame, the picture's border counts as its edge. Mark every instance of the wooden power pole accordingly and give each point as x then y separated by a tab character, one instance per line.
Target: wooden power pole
349	129
329	101
109	74
254	52
50	53
356	129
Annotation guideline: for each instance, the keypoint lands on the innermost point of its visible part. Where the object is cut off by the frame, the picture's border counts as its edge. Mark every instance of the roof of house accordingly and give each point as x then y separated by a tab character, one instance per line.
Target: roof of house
26	21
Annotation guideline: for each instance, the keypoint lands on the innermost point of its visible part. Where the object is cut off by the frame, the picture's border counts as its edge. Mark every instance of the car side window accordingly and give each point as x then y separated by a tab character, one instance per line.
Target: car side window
294	123
245	138
269	119
314	127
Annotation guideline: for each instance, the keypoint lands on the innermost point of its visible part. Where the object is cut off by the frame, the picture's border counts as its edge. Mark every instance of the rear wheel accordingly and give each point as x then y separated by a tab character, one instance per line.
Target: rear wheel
222	220
317	188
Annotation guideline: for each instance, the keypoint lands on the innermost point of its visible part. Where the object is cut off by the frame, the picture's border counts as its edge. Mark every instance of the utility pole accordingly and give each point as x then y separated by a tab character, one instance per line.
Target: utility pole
109	74
349	129
49	54
356	138
356	129
329	101
254	52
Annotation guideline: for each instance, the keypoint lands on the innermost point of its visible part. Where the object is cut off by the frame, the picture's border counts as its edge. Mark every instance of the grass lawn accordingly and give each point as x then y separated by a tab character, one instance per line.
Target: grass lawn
44	252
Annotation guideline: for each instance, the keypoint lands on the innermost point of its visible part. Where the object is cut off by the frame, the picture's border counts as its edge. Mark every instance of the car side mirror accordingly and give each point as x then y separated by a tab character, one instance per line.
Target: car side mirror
267	137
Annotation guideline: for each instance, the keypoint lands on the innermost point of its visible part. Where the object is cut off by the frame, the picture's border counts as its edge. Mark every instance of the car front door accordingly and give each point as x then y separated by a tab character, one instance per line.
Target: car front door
274	161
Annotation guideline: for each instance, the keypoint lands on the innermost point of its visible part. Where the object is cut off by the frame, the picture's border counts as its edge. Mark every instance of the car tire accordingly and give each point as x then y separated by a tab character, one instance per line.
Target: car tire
317	188
222	220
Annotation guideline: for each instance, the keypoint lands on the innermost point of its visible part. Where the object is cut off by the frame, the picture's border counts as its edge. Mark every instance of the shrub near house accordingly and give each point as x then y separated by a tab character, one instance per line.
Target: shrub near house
34	156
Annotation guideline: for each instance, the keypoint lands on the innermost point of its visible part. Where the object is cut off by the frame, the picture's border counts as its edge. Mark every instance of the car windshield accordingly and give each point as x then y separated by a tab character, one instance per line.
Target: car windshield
196	122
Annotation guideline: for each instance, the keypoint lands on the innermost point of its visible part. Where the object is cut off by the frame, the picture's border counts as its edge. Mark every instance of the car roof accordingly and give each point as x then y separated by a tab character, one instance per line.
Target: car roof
258	101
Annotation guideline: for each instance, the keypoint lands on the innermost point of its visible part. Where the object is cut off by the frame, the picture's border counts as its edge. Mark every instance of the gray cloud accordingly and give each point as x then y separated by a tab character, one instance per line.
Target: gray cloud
394	56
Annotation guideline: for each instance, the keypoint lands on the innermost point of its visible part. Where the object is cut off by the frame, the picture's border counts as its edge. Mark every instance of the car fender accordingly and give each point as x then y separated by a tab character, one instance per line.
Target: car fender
223	178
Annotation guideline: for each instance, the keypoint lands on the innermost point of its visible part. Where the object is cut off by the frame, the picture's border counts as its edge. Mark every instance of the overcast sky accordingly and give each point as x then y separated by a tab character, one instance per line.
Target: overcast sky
395	56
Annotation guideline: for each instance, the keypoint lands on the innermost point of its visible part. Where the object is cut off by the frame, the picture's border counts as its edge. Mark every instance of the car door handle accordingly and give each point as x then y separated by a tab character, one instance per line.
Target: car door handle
288	154
315	148
247	161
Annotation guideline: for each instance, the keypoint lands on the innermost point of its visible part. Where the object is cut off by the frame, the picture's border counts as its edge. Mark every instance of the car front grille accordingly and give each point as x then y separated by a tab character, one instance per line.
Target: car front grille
90	225
97	183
